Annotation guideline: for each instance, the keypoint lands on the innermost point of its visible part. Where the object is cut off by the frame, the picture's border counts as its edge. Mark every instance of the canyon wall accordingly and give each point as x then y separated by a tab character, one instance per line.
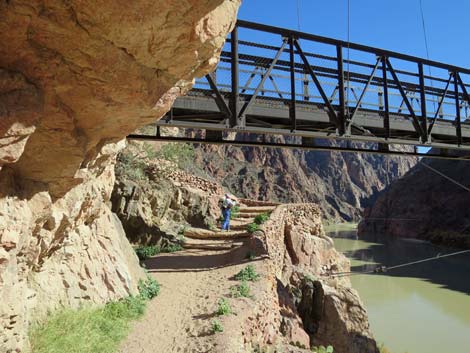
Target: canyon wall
75	78
340	183
426	203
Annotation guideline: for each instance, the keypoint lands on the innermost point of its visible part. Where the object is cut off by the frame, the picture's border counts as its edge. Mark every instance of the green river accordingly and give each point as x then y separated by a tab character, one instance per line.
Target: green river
423	308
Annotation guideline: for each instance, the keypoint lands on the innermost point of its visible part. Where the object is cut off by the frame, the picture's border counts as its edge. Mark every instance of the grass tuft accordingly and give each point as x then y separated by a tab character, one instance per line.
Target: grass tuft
261	218
149	288
322	349
241	290
146	251
217	326
247	274
252	227
224	307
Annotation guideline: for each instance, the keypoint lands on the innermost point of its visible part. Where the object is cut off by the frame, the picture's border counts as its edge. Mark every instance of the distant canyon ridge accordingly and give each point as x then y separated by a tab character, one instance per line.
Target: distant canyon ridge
342	184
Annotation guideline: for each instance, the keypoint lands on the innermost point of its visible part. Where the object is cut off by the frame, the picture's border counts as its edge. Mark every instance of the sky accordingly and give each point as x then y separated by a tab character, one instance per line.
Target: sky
389	24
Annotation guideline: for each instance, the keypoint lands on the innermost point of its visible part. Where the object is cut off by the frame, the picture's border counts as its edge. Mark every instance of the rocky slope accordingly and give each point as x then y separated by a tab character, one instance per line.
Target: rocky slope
161	200
75	78
294	304
339	182
425	204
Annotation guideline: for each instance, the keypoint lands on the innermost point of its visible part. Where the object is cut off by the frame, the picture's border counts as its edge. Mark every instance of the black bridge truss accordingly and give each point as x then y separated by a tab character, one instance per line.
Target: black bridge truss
275	81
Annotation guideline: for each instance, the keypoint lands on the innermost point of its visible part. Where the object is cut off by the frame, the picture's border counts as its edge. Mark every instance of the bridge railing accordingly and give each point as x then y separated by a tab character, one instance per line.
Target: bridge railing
273	65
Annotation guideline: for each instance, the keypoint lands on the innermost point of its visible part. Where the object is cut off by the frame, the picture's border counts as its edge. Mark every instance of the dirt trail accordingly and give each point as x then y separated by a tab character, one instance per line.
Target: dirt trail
192	282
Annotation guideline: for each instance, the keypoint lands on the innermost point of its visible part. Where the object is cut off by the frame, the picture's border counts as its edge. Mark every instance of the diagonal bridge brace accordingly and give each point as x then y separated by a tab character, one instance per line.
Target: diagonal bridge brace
422	134
439	106
332	113
263	80
359	102
219	99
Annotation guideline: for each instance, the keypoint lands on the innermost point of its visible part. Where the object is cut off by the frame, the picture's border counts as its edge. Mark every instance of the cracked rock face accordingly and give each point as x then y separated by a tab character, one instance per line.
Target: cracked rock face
75	78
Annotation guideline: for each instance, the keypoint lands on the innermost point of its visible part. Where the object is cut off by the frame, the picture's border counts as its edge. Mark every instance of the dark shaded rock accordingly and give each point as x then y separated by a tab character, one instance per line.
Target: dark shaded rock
424	204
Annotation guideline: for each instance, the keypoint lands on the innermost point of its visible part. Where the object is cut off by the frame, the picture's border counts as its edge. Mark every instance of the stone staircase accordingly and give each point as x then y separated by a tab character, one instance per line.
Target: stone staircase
218	240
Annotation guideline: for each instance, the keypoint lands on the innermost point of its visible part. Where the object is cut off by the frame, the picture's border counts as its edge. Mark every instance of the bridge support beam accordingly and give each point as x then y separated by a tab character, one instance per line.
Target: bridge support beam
422	91
385	96
342	105
292	108
234	118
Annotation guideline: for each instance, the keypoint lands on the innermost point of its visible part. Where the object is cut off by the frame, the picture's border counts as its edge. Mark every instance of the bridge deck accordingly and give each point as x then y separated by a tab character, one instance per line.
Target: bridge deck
292	83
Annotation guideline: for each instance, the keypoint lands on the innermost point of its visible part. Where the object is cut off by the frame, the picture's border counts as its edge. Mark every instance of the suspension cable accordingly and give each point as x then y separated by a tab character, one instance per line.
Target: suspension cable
298	15
425	35
382	269
349	50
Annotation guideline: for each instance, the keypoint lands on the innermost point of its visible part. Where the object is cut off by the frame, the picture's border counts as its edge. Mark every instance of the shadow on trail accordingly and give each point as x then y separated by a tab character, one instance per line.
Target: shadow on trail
451	273
196	260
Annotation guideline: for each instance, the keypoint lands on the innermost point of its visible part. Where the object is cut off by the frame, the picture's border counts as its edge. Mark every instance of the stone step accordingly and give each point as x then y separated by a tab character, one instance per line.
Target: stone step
240	226
248	214
257	209
214	245
199	233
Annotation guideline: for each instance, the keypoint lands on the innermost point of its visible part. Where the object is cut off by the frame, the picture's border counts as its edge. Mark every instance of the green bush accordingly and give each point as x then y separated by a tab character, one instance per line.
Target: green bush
241	290
217	326
261	218
235	212
322	349
252	227
130	165
146	251
223	307
247	274
149	288
171	248
180	153
130	308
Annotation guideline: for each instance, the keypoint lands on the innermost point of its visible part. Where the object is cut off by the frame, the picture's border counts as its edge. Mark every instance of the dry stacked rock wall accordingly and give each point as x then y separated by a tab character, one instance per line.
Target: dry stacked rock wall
296	303
75	78
164	202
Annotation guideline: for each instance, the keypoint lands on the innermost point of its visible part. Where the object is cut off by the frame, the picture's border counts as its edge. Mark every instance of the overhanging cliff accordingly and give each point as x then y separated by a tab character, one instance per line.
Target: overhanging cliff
75	78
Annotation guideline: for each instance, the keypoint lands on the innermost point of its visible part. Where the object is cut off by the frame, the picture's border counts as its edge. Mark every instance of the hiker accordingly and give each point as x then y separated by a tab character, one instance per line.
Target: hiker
226	208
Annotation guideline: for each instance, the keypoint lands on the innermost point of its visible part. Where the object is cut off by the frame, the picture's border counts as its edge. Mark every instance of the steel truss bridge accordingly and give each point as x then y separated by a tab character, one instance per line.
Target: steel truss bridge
276	81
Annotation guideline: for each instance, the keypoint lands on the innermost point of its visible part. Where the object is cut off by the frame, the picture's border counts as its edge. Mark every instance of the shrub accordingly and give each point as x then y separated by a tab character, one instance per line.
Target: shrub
247	274
322	349
146	251
171	248
217	326
130	165
129	308
261	218
252	227
180	153
149	288
224	307
241	290
235	212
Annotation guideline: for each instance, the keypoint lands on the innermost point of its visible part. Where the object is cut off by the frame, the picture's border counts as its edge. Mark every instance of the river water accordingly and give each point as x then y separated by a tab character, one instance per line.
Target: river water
424	308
